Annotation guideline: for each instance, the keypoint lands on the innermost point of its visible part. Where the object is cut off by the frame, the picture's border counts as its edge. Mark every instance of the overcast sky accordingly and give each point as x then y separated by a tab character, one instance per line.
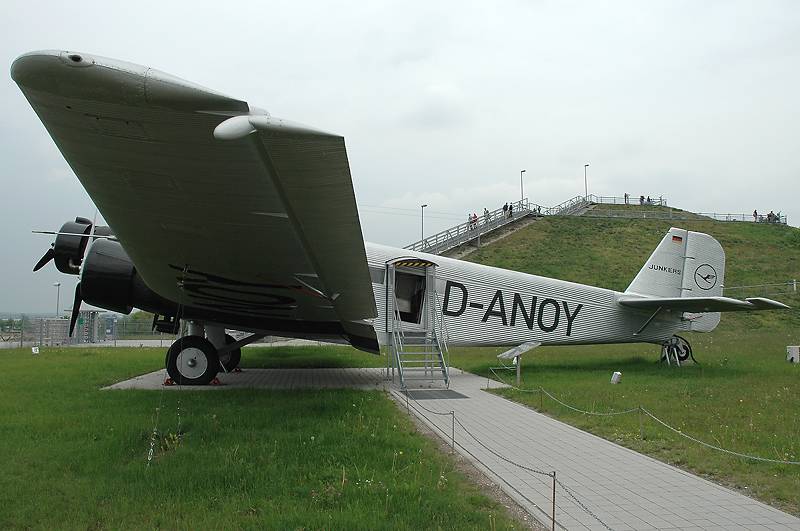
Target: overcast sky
444	103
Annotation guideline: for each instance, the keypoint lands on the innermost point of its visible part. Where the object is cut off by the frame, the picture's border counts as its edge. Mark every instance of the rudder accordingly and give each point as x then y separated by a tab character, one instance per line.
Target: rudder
685	264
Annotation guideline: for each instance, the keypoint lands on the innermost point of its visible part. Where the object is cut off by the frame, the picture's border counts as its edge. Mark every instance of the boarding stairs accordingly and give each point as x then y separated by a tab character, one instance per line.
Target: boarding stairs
419	350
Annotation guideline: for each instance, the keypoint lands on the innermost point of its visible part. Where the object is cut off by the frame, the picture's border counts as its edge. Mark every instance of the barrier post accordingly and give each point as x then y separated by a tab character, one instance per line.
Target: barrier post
554	500
453	430
641	426
541	398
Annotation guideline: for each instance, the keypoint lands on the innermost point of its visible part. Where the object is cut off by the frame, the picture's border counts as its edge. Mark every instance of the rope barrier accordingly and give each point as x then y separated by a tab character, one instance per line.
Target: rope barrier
649	414
502	458
581	505
479	460
731	452
597	414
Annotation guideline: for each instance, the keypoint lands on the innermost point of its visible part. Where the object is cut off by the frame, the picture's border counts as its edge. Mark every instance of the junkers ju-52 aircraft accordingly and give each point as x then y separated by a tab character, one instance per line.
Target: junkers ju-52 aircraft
226	217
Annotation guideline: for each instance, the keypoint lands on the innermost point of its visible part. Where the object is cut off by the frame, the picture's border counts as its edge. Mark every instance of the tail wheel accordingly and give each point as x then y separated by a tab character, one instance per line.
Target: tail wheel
677	349
192	360
230	360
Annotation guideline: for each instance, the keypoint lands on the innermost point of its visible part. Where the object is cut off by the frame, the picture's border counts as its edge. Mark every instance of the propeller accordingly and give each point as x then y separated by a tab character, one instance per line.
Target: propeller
49	255
76	309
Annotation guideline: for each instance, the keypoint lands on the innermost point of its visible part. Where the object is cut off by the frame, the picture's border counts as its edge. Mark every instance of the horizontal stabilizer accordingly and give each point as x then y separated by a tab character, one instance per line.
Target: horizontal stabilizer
700	304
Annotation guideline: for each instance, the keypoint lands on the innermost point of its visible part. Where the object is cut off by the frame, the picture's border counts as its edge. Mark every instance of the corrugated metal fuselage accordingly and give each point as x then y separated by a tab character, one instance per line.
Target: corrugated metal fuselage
484	305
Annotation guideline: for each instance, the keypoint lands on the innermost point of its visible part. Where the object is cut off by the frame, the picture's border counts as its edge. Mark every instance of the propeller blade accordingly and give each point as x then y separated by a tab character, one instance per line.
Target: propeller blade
49	255
76	309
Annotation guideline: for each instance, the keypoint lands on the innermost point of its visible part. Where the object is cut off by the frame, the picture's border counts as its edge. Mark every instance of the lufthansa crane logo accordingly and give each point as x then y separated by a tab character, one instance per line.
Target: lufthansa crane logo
705	277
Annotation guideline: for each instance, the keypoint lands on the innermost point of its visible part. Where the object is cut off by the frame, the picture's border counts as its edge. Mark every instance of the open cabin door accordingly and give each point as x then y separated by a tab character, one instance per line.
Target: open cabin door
414	322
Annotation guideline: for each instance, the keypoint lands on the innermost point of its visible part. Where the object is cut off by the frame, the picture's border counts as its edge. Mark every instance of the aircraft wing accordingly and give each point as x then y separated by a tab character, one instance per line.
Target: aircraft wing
700	304
257	216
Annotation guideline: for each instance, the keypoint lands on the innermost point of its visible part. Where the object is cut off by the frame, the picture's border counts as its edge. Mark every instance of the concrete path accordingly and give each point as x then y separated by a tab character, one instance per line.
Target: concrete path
369	379
624	489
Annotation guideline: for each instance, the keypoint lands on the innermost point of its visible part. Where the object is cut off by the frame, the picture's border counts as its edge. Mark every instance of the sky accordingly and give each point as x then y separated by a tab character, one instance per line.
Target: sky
444	103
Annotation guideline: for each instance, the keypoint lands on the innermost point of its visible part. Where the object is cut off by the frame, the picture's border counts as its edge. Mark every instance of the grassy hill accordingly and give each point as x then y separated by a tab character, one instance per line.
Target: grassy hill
609	252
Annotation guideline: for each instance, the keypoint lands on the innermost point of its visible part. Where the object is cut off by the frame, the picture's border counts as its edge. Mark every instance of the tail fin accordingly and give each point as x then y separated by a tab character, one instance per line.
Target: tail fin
685	264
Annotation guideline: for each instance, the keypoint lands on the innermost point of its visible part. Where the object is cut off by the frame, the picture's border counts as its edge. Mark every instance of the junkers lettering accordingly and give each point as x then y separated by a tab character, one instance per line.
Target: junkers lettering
656	267
546	317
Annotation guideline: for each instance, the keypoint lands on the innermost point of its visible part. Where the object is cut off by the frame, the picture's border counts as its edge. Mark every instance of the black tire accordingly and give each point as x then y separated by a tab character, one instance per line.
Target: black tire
230	360
200	366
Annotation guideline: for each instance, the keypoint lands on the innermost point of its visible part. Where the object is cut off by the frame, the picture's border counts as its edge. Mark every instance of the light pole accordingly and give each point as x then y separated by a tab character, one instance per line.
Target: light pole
58	297
585	185
521	193
422	222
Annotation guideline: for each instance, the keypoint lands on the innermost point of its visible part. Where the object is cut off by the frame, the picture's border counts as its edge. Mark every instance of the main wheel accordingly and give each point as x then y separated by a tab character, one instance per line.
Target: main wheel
230	360
192	360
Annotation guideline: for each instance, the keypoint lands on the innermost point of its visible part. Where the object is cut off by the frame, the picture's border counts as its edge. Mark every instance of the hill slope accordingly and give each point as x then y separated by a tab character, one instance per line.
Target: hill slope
609	253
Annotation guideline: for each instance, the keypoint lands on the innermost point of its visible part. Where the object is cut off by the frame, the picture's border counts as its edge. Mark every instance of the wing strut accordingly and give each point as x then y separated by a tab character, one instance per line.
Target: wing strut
658	310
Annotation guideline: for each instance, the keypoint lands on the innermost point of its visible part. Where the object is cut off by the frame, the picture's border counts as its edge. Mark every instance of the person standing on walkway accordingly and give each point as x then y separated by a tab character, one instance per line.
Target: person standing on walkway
486	216
626	197
755	215
505	210
511	210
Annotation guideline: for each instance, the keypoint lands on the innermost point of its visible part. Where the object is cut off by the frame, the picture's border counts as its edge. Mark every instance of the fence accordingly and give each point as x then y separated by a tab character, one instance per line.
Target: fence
613	200
643	413
647	213
788	288
471	230
548	512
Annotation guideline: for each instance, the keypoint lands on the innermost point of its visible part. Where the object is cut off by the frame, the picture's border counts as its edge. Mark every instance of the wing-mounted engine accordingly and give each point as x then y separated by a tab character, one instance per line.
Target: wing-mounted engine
70	245
109	280
108	277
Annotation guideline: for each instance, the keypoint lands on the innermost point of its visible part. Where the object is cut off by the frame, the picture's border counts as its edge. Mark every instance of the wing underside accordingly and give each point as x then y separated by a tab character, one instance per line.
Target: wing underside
262	225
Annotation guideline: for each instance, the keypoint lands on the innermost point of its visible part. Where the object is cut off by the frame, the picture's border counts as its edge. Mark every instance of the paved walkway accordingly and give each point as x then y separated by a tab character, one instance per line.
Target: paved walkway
624	489
369	379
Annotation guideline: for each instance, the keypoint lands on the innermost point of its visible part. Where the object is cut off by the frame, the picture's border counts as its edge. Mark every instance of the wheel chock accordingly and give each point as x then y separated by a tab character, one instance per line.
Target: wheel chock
215	381
169	381
237	369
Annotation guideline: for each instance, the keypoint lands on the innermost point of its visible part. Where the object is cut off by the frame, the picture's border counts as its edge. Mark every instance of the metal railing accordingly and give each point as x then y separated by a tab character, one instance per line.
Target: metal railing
567	208
778	218
762	290
641	200
471	230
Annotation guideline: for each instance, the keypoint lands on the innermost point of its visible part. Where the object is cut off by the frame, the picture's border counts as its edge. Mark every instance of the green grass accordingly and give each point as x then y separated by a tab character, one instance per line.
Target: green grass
309	356
75	457
744	396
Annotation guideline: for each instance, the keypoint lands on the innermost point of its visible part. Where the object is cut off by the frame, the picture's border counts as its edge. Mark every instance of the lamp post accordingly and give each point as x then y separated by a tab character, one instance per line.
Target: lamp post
422	222
521	193
585	184
58	296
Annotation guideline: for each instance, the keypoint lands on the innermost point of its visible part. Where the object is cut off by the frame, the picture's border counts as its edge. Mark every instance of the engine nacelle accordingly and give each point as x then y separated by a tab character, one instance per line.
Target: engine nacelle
109	280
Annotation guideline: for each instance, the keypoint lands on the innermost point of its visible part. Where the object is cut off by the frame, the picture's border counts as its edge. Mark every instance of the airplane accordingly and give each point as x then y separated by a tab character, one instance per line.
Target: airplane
223	216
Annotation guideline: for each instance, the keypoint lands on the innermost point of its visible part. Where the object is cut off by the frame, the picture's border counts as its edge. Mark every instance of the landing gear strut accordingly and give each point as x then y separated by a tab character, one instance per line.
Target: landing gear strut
676	349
